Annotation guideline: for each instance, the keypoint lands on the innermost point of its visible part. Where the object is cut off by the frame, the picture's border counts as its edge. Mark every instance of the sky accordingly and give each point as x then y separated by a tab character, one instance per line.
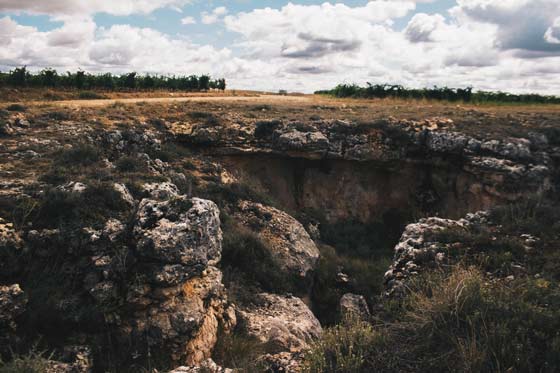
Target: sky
303	46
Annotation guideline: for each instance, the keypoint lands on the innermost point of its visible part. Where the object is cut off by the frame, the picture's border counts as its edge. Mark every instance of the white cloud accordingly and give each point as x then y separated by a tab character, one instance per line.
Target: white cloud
422	27
309	47
70	7
521	24
215	16
188	20
552	34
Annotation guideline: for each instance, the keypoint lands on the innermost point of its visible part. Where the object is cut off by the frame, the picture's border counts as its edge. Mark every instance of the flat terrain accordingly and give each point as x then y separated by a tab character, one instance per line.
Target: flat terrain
232	106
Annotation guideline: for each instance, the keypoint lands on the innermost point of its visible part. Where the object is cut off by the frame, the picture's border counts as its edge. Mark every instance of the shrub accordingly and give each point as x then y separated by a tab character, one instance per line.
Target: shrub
79	155
245	251
345	348
366	278
237	351
74	209
130	164
90	95
32	362
16	107
208	118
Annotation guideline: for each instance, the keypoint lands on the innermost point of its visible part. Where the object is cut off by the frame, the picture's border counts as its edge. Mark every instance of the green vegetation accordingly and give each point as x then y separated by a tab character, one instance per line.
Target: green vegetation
50	78
494	308
32	362
238	352
244	251
456	322
436	93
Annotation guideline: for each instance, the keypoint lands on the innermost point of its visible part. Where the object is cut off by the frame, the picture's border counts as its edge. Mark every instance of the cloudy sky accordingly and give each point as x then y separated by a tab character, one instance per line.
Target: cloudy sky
511	45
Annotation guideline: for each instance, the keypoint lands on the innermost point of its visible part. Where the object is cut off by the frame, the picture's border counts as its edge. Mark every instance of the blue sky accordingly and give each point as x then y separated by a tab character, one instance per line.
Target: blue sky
511	45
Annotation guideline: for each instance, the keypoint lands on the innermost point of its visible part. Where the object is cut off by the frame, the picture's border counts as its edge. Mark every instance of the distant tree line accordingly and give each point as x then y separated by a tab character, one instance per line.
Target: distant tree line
50	78
436	93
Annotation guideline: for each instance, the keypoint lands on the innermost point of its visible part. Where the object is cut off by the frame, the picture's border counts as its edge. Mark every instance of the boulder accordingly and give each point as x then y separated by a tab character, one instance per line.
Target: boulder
179	231
290	246
281	323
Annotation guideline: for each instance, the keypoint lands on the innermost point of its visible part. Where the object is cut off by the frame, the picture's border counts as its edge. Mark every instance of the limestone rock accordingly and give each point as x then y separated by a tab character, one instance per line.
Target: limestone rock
180	231
417	249
207	366
160	191
289	243
282	323
124	194
72	187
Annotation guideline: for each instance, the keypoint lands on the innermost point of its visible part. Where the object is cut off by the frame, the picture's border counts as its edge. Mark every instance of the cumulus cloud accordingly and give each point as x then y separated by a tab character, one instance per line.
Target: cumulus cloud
422	27
71	7
552	34
484	43
214	16
188	20
521	24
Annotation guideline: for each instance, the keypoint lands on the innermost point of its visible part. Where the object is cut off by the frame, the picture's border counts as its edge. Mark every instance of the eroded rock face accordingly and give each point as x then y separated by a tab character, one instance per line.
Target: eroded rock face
281	323
290	245
181	321
440	169
177	296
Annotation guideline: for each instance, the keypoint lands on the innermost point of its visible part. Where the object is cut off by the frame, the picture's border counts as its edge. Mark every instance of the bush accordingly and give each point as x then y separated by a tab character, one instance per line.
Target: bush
237	351
89	95
16	107
453	321
77	209
78	155
366	278
33	362
246	252
345	348
130	164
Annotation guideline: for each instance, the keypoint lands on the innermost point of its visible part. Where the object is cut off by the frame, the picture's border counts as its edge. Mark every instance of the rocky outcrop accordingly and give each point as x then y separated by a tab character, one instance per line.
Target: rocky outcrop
349	170
290	245
178	298
281	323
419	248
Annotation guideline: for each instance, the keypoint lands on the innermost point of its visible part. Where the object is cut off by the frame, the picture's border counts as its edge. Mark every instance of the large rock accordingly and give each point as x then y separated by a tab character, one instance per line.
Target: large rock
177	297
290	245
181	321
418	249
180	231
281	323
